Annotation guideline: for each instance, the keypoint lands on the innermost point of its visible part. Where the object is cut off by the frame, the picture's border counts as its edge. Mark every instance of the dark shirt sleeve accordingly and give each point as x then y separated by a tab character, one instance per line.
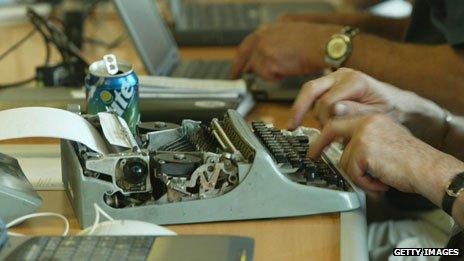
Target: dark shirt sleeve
437	22
456	241
448	17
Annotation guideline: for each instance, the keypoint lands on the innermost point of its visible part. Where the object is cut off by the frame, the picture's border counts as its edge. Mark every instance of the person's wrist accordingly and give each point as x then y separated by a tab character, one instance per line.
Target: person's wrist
321	36
424	118
412	106
435	175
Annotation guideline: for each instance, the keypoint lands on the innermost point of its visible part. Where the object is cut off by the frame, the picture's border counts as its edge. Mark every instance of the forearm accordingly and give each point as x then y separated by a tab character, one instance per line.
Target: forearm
433	72
390	28
425	119
429	122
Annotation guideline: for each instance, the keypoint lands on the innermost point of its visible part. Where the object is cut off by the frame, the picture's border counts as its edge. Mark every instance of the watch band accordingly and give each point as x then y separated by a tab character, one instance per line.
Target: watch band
453	190
350	31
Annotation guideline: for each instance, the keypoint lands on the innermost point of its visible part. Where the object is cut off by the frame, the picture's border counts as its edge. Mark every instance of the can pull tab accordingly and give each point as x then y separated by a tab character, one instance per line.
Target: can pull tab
111	64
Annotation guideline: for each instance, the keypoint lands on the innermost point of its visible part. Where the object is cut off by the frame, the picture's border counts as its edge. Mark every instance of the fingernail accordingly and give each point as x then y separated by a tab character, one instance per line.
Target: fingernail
340	109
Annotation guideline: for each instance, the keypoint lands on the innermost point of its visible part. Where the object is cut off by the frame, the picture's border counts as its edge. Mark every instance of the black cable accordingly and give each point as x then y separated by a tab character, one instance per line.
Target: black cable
48	52
51	35
17	44
11	49
55	35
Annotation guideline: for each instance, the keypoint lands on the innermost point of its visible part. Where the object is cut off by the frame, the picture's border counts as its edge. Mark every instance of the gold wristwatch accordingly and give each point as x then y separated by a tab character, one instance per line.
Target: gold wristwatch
338	49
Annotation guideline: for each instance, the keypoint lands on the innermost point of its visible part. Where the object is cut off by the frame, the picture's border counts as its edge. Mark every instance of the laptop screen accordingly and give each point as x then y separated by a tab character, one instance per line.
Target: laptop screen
154	43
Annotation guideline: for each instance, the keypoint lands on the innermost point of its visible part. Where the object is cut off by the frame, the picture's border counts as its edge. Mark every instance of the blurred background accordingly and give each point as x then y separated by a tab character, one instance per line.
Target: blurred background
94	27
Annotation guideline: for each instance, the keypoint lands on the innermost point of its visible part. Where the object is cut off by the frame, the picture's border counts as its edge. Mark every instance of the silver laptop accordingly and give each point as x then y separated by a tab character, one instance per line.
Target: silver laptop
226	22
157	48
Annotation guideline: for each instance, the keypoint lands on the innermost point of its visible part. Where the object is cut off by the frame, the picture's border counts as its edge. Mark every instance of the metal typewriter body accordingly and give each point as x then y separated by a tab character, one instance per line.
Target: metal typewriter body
204	172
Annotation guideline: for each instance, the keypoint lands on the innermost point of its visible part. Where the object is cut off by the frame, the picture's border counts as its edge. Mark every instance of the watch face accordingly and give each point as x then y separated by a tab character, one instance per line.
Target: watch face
337	47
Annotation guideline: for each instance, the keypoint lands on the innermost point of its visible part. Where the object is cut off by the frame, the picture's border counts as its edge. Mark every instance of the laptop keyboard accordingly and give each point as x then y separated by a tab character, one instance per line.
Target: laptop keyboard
222	16
84	248
203	69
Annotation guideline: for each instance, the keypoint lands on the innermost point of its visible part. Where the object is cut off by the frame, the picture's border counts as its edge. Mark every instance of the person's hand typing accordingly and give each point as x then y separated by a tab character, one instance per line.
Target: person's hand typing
347	93
381	153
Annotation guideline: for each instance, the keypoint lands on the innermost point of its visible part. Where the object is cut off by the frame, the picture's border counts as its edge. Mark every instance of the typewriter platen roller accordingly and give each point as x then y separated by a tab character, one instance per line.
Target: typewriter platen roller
203	172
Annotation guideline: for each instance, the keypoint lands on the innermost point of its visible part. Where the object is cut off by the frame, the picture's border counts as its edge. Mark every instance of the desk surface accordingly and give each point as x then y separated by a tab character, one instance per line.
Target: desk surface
302	238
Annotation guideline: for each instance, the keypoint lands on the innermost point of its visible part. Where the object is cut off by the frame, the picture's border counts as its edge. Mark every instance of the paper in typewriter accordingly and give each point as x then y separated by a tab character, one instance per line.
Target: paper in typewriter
116	130
29	122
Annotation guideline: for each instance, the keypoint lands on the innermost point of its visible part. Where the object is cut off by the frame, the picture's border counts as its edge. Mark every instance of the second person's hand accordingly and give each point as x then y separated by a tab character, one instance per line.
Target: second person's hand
283	49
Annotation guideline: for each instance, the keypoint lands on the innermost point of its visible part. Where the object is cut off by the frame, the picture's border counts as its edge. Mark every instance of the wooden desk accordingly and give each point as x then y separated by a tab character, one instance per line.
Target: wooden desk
302	238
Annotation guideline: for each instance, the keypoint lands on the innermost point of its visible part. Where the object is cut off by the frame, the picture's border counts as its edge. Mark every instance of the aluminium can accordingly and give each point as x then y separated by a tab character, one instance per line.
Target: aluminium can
118	92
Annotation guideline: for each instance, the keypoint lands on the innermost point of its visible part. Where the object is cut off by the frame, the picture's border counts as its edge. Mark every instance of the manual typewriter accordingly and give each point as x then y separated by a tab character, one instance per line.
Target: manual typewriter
206	171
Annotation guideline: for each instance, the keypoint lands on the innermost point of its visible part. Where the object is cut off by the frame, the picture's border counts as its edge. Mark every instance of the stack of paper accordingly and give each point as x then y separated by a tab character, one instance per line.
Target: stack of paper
168	87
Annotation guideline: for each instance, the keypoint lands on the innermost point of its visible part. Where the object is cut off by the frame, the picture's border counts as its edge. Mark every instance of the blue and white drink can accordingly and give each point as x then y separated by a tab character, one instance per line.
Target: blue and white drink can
113	85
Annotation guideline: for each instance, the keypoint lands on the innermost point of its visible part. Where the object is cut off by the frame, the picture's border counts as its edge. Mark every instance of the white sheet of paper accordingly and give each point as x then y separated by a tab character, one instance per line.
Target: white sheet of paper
43	173
46	122
31	150
41	163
